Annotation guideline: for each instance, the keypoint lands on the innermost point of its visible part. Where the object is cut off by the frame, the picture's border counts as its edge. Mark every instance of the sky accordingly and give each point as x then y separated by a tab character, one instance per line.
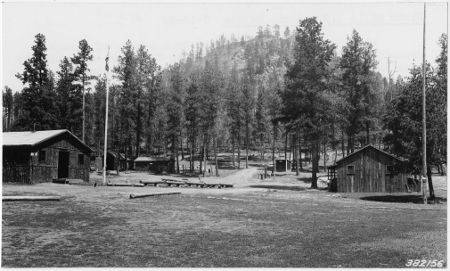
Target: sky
169	29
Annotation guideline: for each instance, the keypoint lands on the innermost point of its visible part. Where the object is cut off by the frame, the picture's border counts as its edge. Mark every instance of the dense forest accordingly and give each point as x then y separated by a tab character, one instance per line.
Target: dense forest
278	91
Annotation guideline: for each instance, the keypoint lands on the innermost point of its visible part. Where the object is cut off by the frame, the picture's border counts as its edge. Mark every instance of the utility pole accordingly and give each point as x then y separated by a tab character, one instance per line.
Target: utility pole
424	118
84	111
105	150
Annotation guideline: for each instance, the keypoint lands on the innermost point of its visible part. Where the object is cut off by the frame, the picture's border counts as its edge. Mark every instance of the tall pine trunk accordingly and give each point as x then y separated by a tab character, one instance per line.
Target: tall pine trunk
430	183
191	158
178	162
232	152
204	154
239	150
215	156
335	155
315	162
181	146
285	150
201	161
296	152
175	152
300	152
138	129
273	148
247	132
350	144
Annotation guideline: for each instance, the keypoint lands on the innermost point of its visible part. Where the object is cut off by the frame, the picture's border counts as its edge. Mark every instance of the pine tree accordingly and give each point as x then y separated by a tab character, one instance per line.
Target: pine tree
191	111
235	112
81	73
357	65
8	103
68	98
146	69
38	96
175	100
440	94
126	73
99	104
306	81
403	120
209	101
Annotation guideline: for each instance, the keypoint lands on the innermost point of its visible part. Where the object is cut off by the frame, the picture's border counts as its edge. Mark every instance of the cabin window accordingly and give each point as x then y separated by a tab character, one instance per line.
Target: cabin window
350	170
41	156
80	159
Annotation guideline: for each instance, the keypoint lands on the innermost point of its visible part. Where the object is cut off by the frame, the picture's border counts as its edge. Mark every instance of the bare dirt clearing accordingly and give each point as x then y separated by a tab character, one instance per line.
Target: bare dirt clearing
282	224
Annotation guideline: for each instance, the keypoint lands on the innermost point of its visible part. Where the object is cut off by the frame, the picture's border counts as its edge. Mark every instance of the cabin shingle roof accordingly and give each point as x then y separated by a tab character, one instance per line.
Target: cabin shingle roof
151	159
365	149
35	138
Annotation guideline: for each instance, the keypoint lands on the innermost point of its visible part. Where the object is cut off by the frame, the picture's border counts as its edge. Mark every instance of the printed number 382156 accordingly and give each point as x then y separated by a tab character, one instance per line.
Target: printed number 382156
425	263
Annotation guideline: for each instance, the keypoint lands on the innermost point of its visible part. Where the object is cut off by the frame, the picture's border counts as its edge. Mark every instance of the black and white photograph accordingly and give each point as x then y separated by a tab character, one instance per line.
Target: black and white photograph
224	134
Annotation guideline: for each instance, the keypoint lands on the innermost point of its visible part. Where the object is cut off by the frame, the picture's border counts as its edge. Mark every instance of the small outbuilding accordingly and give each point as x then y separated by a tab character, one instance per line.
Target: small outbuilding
115	161
155	164
371	170
41	156
280	165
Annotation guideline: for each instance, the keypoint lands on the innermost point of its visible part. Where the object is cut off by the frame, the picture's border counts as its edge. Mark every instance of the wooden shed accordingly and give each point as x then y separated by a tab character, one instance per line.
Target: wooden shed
155	164
280	165
41	156
371	170
115	160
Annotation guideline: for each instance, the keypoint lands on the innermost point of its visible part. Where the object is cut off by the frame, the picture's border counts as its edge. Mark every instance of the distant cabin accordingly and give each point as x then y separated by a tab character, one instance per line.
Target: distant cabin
371	170
41	156
280	165
155	164
114	161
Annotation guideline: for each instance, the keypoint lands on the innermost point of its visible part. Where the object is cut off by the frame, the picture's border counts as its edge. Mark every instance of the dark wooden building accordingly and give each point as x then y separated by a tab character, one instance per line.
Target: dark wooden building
41	156
280	165
155	165
114	161
371	170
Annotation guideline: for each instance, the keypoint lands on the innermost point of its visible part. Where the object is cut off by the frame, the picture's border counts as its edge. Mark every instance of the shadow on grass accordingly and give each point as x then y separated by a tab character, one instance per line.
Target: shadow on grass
400	198
304	179
279	187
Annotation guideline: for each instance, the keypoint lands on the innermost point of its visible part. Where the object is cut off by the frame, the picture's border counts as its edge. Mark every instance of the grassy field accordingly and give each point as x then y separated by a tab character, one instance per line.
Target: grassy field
283	224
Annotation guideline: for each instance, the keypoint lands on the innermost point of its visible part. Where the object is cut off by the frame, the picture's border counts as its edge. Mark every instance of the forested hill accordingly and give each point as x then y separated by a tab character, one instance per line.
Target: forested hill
230	91
266	94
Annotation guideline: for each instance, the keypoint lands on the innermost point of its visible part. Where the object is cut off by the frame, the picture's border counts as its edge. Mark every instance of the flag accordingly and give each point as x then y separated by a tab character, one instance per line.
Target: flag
106	61
107	66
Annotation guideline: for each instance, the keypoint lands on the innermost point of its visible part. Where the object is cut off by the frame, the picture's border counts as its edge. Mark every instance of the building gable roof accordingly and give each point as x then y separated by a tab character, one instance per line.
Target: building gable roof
150	159
364	149
36	139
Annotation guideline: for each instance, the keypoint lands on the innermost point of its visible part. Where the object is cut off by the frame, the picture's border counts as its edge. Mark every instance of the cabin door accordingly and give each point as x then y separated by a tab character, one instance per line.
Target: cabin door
63	164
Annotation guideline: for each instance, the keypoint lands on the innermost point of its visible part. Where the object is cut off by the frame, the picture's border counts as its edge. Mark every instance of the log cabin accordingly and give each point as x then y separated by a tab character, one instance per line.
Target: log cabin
371	170
42	156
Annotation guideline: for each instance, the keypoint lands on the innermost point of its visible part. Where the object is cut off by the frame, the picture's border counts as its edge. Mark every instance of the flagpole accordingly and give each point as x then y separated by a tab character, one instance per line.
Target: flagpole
106	120
424	122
